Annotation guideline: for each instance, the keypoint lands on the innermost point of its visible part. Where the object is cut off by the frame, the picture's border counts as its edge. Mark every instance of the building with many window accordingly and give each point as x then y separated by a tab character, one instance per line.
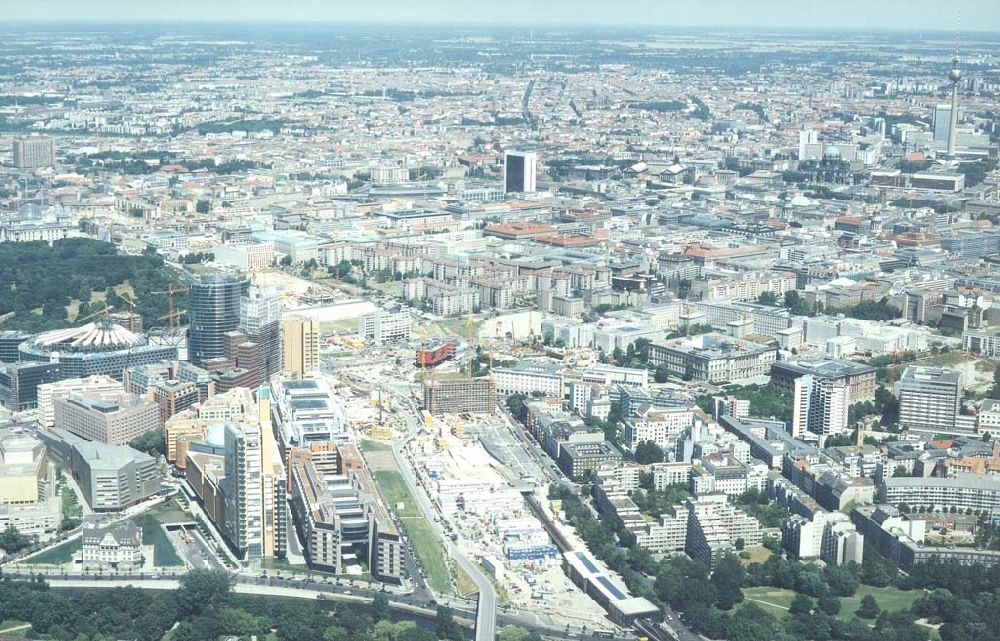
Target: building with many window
577	458
453	396
901	537
714	525
929	398
713	357
386	325
111	477
28	499
244	523
49	392
260	320
519	171
859	377
528	377
99	347
113	418
976	493
308	411
340	518
660	426
301	346
34	151
213	310
982	342
114	546
819	405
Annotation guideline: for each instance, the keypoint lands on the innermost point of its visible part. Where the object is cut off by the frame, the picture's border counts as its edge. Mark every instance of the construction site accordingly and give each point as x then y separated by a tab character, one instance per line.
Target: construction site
482	502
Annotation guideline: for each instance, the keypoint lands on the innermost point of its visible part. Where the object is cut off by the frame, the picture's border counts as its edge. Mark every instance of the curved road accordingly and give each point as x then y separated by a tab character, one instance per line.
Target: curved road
275	586
486	611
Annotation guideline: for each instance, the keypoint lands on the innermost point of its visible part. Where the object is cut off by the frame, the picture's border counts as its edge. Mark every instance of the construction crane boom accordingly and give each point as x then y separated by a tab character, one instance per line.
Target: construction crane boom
171	314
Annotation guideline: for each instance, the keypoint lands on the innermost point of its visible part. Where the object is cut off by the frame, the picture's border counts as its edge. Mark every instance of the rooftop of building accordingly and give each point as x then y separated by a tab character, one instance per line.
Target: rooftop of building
125	533
534	367
932	375
714	345
983	483
614	592
590	450
827	367
100	456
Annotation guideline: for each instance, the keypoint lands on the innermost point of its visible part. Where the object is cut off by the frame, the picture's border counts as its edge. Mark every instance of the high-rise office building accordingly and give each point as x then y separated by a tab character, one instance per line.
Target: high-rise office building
519	171
301	346
35	151
942	122
244	506
260	319
929	398
213	310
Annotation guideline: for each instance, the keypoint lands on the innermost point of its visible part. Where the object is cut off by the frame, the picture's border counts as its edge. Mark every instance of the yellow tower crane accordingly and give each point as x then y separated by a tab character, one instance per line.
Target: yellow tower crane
172	315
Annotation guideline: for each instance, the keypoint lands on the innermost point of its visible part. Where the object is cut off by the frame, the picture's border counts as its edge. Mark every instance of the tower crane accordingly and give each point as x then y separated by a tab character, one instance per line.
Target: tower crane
173	316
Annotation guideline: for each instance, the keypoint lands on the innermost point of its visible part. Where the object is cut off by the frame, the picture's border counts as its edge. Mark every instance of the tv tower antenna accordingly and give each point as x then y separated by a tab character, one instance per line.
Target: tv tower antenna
954	76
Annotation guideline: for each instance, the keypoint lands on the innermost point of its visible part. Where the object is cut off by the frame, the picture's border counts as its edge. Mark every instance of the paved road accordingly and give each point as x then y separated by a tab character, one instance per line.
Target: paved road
677	630
486	611
300	589
531	446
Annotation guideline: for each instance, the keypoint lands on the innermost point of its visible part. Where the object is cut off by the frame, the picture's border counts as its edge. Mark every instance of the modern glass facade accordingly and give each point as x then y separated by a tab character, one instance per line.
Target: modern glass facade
514	173
213	310
260	318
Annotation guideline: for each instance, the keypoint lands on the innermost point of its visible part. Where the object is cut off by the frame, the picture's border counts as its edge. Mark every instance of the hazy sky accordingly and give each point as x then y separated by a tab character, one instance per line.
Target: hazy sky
866	14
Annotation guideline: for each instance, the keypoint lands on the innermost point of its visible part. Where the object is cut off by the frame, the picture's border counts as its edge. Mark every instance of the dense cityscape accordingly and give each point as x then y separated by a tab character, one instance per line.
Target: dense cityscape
393	332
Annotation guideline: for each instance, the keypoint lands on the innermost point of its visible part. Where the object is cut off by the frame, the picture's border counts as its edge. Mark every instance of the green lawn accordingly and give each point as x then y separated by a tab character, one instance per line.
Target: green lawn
200	268
758	554
460	327
889	599
425	545
948	359
368	445
60	554
282	565
776	600
391	287
5	629
10	623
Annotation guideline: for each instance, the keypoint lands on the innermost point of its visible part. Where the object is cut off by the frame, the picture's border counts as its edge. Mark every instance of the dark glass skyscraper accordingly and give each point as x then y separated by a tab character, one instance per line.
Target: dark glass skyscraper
519	169
213	310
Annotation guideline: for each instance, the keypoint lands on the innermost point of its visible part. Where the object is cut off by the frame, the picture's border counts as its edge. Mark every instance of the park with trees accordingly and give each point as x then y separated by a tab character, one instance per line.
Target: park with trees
205	608
41	283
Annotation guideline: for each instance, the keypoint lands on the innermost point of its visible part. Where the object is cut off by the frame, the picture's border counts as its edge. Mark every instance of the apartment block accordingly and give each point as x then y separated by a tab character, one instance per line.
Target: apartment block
929	398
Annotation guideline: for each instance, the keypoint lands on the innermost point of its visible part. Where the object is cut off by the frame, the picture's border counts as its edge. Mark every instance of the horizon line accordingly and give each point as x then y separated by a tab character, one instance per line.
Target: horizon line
548	24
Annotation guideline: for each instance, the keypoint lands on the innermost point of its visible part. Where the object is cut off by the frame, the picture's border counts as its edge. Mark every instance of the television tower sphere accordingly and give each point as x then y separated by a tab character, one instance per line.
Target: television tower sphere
955	74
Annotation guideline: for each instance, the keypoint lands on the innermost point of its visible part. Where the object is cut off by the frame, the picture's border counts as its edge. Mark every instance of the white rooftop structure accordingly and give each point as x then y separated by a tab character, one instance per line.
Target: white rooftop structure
91	335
